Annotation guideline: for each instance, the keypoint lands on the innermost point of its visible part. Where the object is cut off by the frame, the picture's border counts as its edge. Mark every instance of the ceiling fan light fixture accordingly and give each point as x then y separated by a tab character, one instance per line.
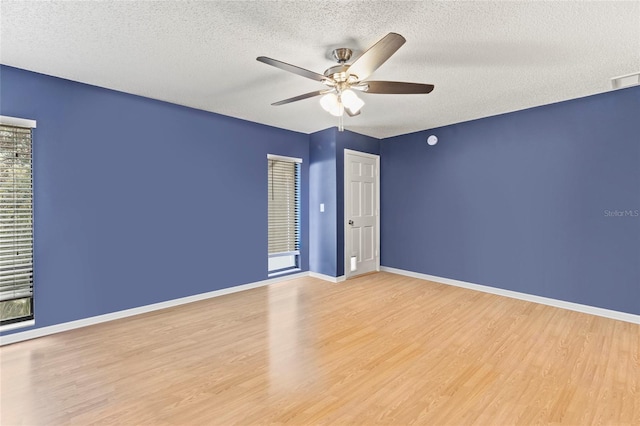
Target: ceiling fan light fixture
351	101
331	104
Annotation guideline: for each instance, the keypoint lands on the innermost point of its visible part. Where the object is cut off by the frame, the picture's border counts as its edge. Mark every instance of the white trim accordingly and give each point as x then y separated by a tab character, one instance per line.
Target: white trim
14	325
347	260
283	158
59	328
601	312
327	277
17	122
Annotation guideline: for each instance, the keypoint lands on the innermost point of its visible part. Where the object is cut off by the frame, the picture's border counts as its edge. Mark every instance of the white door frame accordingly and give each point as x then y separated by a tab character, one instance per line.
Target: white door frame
347	262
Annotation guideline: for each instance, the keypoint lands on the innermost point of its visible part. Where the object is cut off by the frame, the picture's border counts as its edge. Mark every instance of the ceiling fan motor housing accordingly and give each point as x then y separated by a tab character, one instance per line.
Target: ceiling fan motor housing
338	73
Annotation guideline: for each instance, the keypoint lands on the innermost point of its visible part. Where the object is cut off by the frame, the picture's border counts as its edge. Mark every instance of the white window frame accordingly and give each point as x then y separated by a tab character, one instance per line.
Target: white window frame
31	124
285	262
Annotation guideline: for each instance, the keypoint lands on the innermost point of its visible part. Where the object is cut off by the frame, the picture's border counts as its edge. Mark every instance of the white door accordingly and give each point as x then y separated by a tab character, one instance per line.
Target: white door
361	184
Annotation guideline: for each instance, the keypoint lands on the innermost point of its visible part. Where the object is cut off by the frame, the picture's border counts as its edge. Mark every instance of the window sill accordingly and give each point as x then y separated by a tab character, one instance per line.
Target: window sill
21	324
279	273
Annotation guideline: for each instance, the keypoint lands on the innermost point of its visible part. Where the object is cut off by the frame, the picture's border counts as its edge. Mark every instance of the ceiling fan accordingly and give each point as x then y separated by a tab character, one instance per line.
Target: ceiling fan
342	79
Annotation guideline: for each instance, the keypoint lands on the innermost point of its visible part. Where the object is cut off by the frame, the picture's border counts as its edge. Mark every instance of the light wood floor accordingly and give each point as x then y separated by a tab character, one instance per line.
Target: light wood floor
377	349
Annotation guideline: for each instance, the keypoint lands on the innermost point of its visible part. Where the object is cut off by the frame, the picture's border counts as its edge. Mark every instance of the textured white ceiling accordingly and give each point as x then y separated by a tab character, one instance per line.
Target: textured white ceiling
484	58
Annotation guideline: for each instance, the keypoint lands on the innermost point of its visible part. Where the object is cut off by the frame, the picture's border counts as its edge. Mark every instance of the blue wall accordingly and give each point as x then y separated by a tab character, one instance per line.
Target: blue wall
322	189
327	186
519	201
138	201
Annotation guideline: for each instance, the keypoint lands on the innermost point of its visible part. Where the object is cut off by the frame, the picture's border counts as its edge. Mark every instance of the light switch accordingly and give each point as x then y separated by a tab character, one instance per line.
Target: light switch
321	207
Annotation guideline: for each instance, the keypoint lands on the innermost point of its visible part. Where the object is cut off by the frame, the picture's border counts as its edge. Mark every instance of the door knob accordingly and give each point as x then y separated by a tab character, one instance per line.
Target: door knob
350	222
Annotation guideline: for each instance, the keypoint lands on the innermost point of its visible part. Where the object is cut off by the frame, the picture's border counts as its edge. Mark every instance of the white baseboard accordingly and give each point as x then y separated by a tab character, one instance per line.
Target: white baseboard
58	328
327	277
607	313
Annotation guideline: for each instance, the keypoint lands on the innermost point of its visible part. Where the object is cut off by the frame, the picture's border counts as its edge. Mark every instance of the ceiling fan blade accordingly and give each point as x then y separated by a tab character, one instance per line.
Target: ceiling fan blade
291	68
301	97
376	55
397	87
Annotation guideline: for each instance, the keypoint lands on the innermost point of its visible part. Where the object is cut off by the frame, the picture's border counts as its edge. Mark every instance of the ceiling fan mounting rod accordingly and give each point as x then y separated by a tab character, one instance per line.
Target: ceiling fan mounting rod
342	54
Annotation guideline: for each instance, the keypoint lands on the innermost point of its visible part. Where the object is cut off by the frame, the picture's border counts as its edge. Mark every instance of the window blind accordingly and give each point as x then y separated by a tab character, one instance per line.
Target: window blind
284	206
16	225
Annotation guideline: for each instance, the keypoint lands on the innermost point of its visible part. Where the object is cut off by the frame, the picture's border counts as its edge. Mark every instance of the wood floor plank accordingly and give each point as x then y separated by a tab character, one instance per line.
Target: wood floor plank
379	349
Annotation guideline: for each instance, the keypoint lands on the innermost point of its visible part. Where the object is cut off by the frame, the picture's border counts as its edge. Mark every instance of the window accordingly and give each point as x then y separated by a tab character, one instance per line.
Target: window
16	222
284	214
